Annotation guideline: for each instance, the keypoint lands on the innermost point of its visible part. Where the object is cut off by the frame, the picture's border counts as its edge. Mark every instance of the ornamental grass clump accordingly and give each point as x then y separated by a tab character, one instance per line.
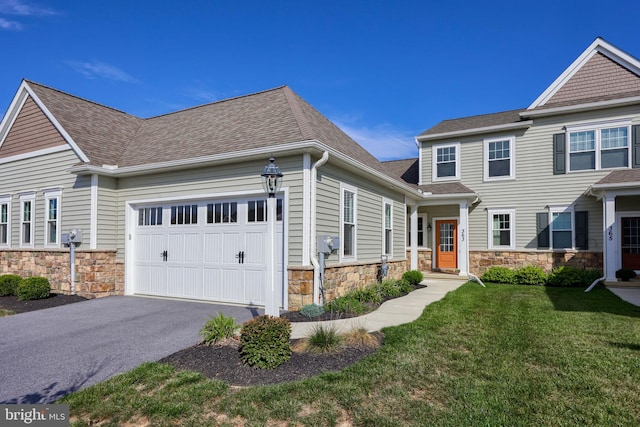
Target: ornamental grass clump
33	288
264	342
324	339
219	328
9	284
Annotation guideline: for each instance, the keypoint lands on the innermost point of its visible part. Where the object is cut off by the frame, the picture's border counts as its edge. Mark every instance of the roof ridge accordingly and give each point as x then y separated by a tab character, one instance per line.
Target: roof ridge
234	98
298	114
486	114
31	82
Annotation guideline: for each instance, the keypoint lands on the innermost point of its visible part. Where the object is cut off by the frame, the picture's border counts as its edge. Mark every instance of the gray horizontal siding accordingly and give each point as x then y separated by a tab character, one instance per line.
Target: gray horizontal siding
107	212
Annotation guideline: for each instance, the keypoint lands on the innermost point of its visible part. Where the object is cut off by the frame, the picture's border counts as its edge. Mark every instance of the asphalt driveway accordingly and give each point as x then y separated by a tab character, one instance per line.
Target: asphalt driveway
46	354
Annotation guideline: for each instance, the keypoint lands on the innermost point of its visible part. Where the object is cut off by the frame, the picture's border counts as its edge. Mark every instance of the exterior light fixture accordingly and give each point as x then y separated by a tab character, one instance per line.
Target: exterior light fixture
271	182
271	178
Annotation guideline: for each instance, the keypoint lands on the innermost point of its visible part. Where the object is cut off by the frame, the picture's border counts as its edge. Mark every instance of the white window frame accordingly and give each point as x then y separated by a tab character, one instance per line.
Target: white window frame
597	128
425	230
385	203
512	158
27	197
512	227
434	162
6	200
57	196
562	209
351	189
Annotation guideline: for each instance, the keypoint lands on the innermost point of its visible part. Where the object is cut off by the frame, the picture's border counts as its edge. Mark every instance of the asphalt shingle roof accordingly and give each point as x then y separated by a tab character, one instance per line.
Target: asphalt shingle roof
475	122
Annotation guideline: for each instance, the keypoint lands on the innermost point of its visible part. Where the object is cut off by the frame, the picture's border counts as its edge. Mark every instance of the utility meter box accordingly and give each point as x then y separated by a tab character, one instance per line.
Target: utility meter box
73	236
328	244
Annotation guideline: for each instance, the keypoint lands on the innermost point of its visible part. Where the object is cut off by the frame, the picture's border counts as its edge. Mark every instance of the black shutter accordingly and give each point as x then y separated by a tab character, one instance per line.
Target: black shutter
559	153
582	230
635	146
542	229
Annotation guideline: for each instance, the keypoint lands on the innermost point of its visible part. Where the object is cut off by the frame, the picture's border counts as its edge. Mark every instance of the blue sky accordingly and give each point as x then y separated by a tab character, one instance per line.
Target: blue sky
383	71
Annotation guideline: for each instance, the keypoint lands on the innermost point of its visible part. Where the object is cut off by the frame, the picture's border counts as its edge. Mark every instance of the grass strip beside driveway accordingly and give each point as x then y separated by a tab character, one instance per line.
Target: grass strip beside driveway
501	355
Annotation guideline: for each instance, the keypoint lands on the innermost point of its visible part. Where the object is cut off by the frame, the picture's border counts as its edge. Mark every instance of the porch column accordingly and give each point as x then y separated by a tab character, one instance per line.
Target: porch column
414	236
463	240
611	239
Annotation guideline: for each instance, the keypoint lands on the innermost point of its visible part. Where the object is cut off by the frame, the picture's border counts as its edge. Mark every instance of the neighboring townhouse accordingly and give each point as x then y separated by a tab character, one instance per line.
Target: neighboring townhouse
557	183
173	205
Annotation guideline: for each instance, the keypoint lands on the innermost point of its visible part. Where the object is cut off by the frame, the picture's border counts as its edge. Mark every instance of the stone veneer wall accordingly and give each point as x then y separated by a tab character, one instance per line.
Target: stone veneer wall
338	280
424	259
98	273
481	261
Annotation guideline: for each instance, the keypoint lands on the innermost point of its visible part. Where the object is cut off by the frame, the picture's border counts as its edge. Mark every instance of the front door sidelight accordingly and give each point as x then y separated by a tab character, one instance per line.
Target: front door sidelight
240	257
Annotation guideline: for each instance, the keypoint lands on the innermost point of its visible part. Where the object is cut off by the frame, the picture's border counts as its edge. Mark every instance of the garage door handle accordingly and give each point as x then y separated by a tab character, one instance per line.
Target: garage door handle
240	256
164	255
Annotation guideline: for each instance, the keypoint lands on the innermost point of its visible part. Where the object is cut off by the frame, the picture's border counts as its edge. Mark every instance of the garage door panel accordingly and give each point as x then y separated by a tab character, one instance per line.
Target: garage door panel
231	285
192	248
212	248
212	283
193	282
255	244
157	280
254	286
175	247
230	247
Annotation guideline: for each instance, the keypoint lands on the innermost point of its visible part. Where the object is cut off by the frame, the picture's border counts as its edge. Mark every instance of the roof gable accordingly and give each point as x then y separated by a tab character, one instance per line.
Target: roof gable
601	72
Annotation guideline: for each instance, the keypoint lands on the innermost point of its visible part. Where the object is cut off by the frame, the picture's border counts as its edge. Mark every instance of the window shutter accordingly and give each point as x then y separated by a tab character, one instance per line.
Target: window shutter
582	230
559	153
635	146
542	229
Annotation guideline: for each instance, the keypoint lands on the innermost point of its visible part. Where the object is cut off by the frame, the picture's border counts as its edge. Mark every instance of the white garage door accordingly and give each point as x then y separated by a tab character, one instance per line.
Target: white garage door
210	250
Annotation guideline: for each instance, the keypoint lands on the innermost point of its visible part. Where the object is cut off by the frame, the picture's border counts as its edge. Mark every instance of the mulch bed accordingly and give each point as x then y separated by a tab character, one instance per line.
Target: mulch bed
12	303
223	362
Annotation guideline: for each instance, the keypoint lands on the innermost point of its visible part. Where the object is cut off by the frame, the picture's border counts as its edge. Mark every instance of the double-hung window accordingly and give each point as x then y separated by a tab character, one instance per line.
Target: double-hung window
599	146
348	222
499	155
5	221
501	228
52	217
446	162
27	202
563	228
387	232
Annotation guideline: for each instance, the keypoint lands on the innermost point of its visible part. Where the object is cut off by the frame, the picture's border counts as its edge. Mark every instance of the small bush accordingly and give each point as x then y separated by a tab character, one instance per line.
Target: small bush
33	288
366	294
312	310
9	284
324	339
264	342
625	274
497	274
405	286
531	275
414	277
219	328
346	304
361	338
572	276
389	289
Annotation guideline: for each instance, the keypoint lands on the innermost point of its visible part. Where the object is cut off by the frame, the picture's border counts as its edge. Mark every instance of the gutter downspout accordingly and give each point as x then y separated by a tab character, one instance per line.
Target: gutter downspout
317	298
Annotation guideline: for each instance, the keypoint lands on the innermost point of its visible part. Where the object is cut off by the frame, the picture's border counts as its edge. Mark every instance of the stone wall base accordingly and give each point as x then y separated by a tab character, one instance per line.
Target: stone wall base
481	261
424	259
98	273
338	280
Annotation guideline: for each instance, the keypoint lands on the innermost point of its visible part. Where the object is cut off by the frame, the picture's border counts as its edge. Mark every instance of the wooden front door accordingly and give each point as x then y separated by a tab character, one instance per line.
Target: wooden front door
446	243
631	243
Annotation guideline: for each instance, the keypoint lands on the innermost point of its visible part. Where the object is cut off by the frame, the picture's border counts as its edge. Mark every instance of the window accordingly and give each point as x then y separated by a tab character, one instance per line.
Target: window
421	230
599	147
5	209
446	162
501	228
499	159
222	213
348	222
257	210
184	214
26	219
52	217
388	228
563	228
150	216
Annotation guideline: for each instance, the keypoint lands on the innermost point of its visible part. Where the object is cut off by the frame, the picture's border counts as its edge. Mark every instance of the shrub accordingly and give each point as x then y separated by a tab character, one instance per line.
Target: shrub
324	339
219	328
497	274
414	277
9	284
530	275
405	286
312	310
367	294
346	304
264	342
572	276
625	274
389	289
33	288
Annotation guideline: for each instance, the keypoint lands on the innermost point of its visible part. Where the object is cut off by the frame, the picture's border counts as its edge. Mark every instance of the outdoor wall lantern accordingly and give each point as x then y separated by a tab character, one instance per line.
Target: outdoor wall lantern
271	182
429	227
271	178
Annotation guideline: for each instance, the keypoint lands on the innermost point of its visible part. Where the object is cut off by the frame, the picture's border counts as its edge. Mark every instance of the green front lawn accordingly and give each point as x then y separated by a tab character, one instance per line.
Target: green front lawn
501	355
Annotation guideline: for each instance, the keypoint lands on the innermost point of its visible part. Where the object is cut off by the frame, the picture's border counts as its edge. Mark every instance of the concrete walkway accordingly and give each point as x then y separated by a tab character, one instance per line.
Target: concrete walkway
393	312
628	294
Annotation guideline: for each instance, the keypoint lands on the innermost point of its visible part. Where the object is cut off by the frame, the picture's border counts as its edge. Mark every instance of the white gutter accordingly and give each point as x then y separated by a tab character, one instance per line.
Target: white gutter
595	283
581	107
312	231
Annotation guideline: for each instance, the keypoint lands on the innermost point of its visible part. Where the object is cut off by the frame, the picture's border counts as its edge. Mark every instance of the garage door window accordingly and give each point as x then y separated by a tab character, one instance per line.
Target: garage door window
150	216
256	211
222	213
184	214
